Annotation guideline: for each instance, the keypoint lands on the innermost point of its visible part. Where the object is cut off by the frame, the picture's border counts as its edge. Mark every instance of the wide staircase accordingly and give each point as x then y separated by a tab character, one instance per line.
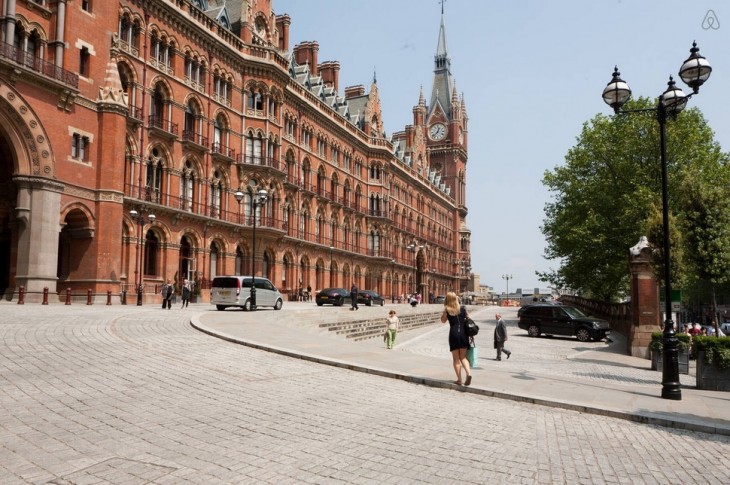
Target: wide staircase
371	328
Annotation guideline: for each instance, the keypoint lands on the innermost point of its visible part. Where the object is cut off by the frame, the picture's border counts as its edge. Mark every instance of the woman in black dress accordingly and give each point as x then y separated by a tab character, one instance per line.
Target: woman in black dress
458	341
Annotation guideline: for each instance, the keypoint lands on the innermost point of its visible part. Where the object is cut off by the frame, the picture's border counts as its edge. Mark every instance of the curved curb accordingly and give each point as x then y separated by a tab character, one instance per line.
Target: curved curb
647	418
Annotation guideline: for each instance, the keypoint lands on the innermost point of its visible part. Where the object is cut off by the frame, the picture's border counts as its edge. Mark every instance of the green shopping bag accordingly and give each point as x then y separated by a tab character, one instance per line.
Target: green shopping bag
472	355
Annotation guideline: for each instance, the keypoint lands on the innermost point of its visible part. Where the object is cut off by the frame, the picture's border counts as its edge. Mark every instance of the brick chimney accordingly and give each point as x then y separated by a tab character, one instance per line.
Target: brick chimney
330	72
306	53
354	91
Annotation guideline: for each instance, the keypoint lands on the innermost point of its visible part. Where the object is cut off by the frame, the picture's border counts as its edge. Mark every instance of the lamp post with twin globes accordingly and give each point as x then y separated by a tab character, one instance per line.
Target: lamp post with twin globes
693	72
141	219
258	199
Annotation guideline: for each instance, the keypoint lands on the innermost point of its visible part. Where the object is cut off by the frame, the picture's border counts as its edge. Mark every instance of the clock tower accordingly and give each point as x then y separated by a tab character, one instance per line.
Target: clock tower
446	133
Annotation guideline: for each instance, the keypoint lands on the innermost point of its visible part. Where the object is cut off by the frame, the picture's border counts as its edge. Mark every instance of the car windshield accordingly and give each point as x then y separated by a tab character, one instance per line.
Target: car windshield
574	312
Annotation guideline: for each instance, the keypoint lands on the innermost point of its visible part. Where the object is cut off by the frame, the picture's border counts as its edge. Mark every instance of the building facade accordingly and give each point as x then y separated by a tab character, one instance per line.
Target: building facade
138	136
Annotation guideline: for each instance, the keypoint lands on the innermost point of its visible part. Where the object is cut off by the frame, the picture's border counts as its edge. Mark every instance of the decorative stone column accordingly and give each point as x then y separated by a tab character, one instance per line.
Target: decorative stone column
644	299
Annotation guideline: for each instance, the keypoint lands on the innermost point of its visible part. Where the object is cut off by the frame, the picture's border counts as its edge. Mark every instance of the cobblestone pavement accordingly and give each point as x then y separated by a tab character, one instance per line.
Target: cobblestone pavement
136	395
564	356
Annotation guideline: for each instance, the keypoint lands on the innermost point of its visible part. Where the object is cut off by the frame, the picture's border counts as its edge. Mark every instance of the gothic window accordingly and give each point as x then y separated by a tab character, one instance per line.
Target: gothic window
253	149
153	179
151	253
129	30
187	187
214	256
374	243
216	189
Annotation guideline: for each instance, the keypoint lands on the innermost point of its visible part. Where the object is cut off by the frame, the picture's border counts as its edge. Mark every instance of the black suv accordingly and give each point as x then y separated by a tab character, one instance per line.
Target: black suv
561	320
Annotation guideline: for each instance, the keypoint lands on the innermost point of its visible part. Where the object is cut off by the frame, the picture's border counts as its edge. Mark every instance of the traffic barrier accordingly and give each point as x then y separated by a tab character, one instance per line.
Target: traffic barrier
88	296
21	295
108	297
68	296
45	295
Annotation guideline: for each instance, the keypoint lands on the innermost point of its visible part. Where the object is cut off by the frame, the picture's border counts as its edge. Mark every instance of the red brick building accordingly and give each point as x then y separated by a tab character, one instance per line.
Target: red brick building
135	135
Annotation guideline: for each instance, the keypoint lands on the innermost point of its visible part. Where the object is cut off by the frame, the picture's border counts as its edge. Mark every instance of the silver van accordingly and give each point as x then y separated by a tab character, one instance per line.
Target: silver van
236	291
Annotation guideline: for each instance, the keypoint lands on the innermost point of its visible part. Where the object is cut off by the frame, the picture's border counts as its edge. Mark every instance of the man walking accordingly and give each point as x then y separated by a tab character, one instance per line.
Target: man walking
167	291
500	336
353	296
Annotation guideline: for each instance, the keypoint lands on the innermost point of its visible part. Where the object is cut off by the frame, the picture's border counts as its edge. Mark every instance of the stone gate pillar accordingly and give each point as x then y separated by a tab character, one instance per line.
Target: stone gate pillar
644	300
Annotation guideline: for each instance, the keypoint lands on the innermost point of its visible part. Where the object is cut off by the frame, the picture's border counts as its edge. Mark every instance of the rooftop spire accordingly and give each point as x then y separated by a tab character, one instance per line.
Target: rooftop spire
442	81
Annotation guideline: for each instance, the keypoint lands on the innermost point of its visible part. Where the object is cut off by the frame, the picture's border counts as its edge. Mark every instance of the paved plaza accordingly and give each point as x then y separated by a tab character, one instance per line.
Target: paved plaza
126	394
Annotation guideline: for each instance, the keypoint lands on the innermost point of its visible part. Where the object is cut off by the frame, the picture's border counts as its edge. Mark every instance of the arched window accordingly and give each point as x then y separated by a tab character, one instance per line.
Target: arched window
216	190
214	255
253	149
187	186
153	179
240	261
374	243
151	253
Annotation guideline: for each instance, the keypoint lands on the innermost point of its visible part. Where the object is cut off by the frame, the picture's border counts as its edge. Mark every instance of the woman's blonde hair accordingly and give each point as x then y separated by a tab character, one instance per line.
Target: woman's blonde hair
451	304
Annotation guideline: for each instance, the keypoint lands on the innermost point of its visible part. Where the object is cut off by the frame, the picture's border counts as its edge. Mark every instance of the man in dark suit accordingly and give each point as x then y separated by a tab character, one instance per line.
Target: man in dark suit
353	296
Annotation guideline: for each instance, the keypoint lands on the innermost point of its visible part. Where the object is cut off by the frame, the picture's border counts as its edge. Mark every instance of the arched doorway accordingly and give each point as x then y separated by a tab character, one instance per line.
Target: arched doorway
8	196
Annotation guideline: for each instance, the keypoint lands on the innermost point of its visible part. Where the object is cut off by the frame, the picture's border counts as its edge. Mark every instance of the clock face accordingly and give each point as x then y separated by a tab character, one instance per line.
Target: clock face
437	131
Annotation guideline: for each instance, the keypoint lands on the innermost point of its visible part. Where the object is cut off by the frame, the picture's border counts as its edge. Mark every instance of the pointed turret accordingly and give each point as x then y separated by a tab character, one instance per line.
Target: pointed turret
442	81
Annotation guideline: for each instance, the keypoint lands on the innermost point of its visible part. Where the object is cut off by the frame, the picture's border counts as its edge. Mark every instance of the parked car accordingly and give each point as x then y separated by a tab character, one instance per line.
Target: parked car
370	298
725	327
227	291
332	296
544	318
440	299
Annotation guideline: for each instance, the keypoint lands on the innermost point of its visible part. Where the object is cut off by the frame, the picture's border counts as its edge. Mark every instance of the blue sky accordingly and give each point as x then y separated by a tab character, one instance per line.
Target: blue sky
532	72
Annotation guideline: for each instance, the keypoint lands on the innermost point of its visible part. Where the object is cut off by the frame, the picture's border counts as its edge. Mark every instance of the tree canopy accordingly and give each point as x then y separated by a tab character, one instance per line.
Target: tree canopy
606	195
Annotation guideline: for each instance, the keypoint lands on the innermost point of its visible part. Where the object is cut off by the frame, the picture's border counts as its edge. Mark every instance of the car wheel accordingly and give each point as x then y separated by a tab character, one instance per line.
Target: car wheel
533	331
220	308
369	303
382	302
278	304
339	302
583	334
319	303
247	305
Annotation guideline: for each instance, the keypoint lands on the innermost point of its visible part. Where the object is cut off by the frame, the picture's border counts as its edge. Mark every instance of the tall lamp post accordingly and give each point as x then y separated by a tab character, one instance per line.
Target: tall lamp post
141	220
693	72
414	247
392	281
507	277
258	199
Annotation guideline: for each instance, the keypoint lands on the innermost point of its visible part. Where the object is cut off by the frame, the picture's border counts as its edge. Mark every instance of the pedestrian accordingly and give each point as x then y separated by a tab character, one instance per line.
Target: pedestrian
309	292
185	293
353	297
412	300
167	291
393	326
458	341
500	337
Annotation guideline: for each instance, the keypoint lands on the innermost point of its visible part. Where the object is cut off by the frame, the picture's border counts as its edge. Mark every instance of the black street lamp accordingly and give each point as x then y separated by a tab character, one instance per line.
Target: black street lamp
392	281
694	72
257	200
414	247
141	220
507	277
239	197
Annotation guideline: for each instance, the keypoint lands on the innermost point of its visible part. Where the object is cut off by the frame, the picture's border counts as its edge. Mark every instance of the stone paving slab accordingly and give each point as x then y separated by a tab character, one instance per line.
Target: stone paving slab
595	378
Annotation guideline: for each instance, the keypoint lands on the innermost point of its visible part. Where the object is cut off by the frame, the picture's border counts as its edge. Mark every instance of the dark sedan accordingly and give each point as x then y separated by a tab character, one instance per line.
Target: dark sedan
332	296
370	298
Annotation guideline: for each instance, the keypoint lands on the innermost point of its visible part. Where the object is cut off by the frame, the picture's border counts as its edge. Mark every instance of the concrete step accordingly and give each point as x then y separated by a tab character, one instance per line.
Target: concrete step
374	328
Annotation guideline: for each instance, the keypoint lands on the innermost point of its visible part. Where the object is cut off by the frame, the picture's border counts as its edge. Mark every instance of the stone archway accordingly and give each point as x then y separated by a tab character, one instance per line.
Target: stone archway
28	194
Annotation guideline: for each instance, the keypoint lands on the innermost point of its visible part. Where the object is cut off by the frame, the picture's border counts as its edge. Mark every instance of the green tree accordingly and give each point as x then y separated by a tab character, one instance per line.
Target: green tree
610	185
706	228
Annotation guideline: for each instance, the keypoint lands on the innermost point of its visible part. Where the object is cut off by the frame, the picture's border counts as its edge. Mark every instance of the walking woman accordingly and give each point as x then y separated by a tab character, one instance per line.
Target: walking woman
393	324
458	341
